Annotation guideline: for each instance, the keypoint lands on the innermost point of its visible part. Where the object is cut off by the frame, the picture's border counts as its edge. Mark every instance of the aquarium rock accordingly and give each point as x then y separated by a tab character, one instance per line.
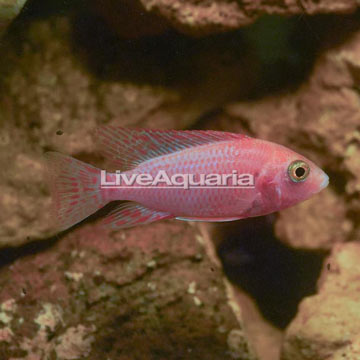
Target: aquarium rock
327	325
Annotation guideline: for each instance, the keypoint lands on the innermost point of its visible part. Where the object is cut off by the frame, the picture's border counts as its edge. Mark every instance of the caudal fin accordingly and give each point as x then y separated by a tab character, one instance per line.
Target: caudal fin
75	189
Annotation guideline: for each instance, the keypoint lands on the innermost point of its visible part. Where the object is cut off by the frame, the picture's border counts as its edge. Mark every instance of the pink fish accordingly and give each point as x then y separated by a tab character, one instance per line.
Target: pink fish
261	177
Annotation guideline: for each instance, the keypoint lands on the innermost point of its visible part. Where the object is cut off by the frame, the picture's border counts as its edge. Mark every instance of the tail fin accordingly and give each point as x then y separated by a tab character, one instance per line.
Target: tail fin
75	189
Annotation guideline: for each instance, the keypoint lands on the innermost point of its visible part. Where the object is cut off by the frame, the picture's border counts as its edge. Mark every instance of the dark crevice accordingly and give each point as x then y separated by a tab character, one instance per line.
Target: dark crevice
42	9
281	51
9	255
338	180
168	59
276	276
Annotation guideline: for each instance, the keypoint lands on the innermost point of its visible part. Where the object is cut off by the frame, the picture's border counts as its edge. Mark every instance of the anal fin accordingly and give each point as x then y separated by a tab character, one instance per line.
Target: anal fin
130	214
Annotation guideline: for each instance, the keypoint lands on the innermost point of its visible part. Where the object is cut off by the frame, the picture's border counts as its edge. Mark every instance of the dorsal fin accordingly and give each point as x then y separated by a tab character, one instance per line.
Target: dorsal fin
130	147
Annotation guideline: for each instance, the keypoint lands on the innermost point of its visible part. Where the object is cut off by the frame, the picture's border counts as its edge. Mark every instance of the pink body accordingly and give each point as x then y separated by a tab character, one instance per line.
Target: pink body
273	189
77	191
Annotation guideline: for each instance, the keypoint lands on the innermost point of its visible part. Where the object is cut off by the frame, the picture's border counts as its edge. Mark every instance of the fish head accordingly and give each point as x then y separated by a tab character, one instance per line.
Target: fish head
289	178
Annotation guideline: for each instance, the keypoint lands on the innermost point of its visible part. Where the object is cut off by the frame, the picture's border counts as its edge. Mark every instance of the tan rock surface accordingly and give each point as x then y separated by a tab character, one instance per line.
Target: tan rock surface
327	324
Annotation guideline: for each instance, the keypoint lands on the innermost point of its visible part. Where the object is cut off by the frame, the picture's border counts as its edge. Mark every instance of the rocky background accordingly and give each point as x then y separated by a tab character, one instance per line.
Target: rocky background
279	287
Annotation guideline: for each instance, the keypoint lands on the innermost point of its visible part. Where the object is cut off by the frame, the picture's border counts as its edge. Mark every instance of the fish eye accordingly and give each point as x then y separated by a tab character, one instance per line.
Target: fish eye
298	170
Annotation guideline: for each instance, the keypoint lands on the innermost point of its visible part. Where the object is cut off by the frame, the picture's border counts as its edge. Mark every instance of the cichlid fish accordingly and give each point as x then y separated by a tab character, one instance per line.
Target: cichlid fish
261	177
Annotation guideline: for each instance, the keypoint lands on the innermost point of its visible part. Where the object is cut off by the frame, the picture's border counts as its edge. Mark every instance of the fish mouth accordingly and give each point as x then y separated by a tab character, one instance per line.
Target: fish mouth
325	182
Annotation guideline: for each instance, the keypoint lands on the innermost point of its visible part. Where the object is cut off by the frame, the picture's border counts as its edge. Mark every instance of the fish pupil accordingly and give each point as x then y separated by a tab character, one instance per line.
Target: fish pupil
300	172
